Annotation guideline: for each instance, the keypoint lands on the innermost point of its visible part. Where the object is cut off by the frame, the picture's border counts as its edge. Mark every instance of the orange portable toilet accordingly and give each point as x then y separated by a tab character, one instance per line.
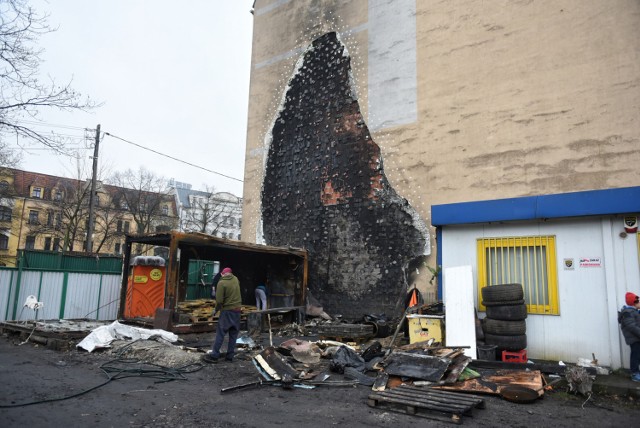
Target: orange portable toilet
145	287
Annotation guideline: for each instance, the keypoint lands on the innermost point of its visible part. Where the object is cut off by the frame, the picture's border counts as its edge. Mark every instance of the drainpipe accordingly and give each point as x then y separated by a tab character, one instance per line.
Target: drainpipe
439	259
24	204
17	293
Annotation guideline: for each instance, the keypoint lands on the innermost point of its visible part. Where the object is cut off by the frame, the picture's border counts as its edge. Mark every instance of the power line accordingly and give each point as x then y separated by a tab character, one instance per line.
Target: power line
175	159
53	125
34	149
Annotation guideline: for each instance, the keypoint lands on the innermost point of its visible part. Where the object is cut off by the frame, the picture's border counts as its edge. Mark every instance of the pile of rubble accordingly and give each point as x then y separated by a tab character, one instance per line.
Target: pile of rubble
423	379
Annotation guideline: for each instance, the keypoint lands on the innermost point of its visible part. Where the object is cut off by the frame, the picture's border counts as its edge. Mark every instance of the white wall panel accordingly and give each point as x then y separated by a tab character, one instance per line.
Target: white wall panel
82	295
460	316
109	298
50	295
29	285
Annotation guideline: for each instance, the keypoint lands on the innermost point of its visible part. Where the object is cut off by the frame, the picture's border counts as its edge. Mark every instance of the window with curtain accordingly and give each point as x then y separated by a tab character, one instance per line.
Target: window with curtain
4	242
5	214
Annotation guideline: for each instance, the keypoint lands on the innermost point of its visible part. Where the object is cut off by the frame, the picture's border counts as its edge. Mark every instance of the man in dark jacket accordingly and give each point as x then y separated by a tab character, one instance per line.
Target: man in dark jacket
229	304
629	319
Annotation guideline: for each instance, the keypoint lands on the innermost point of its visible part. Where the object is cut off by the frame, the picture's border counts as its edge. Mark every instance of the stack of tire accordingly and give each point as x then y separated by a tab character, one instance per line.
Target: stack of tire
505	325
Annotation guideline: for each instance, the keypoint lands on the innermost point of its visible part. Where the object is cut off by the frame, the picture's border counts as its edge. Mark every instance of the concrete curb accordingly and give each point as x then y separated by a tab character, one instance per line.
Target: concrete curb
616	384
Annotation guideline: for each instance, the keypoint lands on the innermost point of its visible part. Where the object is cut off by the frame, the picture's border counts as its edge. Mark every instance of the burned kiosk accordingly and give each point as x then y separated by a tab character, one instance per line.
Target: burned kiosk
285	270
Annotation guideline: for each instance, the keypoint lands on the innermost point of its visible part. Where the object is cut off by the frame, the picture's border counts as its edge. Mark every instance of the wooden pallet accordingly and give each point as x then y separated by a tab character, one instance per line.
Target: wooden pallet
426	403
198	319
200	311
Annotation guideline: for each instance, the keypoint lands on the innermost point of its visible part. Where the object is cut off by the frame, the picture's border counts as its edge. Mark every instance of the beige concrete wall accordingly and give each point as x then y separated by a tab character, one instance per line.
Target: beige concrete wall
514	98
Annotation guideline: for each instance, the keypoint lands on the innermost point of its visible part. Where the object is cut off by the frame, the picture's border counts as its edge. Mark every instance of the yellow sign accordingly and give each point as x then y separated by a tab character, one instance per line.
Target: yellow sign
155	274
140	279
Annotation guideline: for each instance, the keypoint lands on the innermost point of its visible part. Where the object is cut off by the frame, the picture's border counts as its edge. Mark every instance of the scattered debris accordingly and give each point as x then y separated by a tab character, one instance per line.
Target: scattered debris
314	308
593	363
160	353
416	366
579	380
302	350
346	357
493	382
340	331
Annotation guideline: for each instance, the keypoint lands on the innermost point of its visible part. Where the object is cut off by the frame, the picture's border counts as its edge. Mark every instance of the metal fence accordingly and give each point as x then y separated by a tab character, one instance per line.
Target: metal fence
64	294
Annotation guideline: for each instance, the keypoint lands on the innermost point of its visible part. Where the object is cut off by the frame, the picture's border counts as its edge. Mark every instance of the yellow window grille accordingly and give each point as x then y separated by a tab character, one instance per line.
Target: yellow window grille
526	260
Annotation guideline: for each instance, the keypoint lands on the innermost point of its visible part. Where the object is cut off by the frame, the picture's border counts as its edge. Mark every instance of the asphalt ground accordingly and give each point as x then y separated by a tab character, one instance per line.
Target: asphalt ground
34	374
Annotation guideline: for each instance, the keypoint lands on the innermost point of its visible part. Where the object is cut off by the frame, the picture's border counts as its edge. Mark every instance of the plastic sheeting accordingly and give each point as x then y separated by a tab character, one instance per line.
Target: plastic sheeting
102	337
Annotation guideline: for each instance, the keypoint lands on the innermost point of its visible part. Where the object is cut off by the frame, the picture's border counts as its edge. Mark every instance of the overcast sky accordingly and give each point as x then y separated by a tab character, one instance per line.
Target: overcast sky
173	77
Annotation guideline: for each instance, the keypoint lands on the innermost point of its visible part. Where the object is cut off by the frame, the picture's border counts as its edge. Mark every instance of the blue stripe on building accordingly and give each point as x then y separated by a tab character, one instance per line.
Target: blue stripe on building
576	204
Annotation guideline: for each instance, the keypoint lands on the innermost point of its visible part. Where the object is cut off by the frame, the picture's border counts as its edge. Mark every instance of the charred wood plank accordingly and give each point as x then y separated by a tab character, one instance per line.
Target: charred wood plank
278	363
457	366
546	368
416	366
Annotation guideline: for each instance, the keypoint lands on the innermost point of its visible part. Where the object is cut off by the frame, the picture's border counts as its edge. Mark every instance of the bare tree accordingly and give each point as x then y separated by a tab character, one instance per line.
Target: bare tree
9	158
22	94
66	216
106	225
208	212
143	194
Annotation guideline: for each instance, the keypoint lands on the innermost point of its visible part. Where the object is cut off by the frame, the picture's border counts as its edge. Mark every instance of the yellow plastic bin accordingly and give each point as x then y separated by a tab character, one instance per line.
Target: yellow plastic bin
425	327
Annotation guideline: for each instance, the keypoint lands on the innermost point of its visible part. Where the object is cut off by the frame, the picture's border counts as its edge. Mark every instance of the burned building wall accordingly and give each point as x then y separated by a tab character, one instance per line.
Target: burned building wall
325	190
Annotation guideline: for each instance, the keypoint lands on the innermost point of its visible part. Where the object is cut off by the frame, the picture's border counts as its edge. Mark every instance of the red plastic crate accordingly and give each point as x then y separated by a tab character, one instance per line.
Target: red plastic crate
515	357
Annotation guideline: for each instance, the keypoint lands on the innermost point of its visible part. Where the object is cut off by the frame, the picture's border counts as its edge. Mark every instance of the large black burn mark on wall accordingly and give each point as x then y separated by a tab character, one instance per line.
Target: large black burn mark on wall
325	190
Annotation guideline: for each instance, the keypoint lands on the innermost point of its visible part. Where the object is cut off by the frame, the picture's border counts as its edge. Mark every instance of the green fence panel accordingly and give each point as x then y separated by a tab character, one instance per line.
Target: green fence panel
55	260
199	271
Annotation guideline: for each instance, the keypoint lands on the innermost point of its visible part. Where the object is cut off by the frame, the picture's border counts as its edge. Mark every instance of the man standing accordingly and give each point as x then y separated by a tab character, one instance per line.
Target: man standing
261	296
629	319
228	303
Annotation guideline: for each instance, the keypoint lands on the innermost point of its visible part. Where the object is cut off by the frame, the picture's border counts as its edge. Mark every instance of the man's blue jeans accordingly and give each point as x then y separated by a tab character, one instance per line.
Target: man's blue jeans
229	322
635	358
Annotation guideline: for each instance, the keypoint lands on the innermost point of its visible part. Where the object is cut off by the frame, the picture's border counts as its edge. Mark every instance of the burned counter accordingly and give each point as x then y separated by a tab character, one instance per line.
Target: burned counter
285	269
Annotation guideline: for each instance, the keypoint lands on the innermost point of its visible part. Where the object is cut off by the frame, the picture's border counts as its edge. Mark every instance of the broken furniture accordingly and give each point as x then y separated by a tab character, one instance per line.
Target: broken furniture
258	321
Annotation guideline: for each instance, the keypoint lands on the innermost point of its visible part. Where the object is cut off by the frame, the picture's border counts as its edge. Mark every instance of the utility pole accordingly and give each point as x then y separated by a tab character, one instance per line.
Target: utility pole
92	195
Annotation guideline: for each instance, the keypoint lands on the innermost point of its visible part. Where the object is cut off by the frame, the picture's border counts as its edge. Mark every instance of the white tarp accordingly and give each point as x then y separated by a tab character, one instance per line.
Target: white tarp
102	336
